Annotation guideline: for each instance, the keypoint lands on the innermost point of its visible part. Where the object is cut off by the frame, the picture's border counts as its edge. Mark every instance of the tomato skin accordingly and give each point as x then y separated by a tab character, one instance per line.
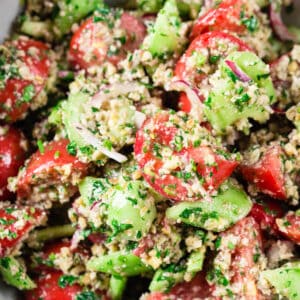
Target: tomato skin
267	174
226	17
12	108
197	288
265	215
213	175
289	226
17	222
48	288
55	155
12	156
92	33
248	230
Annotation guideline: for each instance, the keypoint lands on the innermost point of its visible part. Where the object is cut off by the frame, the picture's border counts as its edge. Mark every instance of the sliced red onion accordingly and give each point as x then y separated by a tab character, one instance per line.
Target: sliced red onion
278	26
194	96
92	140
241	75
117	89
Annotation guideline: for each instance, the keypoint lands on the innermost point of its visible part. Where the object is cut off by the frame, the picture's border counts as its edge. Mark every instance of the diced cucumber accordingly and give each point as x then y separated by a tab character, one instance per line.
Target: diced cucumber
14	274
221	112
119	264
72	11
255	68
216	214
195	260
92	188
285	280
131	211
165	278
117	285
165	37
150	6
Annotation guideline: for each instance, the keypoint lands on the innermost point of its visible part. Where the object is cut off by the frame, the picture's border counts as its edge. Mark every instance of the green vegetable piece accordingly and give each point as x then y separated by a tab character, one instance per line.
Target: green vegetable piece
255	68
53	232
55	116
221	112
216	214
118	264
164	279
72	11
14	273
117	285
189	8
131	211
195	260
164	37
150	6
36	29
72	110
285	280
92	188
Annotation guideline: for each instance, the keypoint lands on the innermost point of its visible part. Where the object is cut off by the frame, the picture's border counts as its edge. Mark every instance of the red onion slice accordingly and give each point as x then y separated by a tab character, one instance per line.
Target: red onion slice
194	96
278	26
241	75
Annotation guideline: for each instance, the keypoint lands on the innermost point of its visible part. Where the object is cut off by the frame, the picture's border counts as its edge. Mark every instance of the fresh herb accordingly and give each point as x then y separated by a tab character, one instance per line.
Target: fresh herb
72	148
66	280
41	146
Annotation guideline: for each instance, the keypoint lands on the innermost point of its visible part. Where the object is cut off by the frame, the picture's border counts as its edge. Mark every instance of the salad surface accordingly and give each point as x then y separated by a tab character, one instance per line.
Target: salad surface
151	151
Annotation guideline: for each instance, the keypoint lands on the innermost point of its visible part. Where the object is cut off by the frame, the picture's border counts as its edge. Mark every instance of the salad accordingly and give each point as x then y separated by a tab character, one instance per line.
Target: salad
150	151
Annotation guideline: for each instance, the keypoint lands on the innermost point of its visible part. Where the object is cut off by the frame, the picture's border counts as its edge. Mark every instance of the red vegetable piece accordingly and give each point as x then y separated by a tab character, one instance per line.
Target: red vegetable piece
12	155
19	90
49	289
267	174
155	133
91	42
15	224
290	226
226	17
48	167
265	215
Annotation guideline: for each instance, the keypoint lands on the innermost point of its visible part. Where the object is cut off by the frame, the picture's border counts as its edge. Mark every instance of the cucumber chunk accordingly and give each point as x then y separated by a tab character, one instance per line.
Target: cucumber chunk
285	280
164	37
14	274
216	214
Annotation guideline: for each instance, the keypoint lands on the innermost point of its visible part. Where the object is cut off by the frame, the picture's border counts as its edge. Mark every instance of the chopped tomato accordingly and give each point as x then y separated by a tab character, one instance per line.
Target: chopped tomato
290	226
157	134
93	42
15	224
197	288
12	155
267	173
45	259
265	215
48	288
226	17
202	58
54	165
28	72
243	242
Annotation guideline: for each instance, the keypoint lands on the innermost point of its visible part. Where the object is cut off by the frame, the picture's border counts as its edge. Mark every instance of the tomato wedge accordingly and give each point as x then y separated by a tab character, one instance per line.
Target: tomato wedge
26	67
197	288
202	58
15	224
12	156
49	289
179	158
226	17
290	226
265	214
52	167
93	42
267	173
242	245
